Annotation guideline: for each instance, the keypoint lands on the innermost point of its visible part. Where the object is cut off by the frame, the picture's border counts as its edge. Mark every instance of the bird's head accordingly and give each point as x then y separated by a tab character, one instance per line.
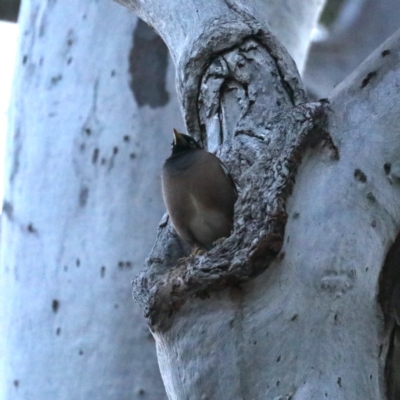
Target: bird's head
183	143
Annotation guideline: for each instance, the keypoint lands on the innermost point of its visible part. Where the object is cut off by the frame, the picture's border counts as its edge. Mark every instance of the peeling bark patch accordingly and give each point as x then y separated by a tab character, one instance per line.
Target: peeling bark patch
83	196
55	305
367	79
8	209
385	53
360	176
148	62
16	383
338	282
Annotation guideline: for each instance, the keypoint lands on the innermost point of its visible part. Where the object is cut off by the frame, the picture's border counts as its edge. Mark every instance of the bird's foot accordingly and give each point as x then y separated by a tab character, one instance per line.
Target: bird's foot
197	251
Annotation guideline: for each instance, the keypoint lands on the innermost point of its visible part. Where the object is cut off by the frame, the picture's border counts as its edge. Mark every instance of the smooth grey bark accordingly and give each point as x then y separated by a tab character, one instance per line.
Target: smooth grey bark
82	201
362	26
287	307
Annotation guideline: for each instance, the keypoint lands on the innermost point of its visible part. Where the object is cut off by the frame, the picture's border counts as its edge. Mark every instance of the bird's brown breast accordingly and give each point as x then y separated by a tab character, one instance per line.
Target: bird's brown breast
199	197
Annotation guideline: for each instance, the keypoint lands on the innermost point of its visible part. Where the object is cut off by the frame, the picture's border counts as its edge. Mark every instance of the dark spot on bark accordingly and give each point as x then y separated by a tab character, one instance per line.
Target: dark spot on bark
16	383
8	209
373	223
278	383
294	317
288	239
42	30
70	42
326	394
278	359
56	79
115	150
380	350
132	156
69	61
141	392
370	377
148	62
103	161
102	272
339	381
121	265
83	196
116	306
336	318
31	228
65	267
296	215
81	352
55	305
127	138
78	262
366	269
367	79
41	61
281	256
84	16
360	176
24	59
385	53
387	167
113	73
82	147
95	156
58	331
128	264
371	197
88	131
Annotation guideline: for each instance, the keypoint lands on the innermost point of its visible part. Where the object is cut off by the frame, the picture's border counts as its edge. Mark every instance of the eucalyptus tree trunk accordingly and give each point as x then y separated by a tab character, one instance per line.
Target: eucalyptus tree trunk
93	90
296	303
362	25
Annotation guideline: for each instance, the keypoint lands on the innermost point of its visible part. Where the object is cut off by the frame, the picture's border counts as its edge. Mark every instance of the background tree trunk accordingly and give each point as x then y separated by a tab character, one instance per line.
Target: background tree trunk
93	90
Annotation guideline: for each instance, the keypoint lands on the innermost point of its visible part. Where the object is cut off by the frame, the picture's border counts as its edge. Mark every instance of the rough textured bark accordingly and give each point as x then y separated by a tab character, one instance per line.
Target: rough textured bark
287	307
82	202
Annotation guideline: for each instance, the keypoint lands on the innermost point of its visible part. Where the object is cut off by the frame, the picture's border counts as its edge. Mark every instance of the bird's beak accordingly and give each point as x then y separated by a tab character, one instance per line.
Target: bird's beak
178	138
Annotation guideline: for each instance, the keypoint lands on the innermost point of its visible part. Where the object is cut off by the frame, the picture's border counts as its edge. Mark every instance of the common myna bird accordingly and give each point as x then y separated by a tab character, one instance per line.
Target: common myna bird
199	193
